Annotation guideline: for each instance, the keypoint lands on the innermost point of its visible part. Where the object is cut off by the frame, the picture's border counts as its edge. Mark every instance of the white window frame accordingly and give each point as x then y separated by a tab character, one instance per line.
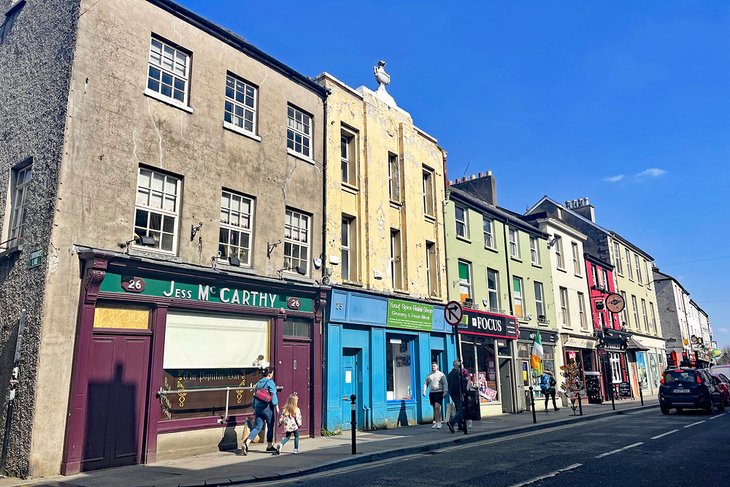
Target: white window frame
165	194
465	283
244	227
514	242
576	259
635	304
518	297
429	192
564	306
488	227
348	248
299	132
645	314
493	293
653	318
171	61
432	269
241	104
464	223
539	299
582	311
637	261
297	237
534	250
615	367
396	259
648	274
559	252
629	267
348	157
22	177
617	258
395	177
625	311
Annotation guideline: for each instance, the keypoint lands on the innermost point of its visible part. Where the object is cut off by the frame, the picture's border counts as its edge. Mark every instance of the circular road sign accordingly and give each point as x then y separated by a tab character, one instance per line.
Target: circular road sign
615	303
453	313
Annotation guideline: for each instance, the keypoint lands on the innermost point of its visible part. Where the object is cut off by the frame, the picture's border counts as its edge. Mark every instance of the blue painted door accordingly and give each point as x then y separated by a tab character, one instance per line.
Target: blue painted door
350	384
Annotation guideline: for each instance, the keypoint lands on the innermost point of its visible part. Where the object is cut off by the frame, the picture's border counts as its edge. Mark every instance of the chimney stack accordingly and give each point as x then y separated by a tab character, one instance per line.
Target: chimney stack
483	186
583	207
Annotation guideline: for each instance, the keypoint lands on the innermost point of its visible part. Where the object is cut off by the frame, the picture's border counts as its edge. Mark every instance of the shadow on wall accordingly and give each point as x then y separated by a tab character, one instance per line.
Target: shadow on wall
402	415
229	441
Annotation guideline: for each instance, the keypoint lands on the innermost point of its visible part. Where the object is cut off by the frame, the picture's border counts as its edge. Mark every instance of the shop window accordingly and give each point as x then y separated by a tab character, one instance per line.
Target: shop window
480	361
399	369
204	352
297	328
615	367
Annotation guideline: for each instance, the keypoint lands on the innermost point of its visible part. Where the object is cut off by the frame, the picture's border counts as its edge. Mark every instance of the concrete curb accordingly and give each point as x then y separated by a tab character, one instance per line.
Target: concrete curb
411	450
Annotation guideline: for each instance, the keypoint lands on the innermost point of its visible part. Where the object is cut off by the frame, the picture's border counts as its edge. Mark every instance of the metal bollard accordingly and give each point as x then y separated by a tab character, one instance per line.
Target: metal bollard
532	402
353	420
641	394
580	404
613	403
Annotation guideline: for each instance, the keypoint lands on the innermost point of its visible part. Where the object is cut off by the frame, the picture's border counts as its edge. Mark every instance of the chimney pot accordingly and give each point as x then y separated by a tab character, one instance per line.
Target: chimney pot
586	200
489	173
472	177
575	203
450	182
481	175
567	204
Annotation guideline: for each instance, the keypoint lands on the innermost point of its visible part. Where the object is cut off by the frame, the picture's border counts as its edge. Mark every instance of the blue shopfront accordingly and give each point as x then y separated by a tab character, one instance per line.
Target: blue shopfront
381	350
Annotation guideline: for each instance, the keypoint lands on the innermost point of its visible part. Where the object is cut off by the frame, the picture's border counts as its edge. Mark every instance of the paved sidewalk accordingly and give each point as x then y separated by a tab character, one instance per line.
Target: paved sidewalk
321	454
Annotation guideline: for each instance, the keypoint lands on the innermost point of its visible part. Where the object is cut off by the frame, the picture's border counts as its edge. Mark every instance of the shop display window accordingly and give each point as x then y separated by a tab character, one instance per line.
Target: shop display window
479	359
399	368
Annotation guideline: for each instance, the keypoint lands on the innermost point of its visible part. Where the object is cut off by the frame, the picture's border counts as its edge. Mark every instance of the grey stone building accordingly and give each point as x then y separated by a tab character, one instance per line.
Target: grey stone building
161	224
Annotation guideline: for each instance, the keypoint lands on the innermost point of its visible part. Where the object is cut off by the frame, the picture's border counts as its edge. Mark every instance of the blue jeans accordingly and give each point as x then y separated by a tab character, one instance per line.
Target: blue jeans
296	438
263	415
456	420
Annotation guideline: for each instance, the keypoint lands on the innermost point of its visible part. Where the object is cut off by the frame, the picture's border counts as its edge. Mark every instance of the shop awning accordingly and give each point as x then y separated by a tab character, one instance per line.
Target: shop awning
575	342
634	345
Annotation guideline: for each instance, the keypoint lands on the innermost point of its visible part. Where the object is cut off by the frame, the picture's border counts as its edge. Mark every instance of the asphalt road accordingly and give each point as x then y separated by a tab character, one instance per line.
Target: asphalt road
644	448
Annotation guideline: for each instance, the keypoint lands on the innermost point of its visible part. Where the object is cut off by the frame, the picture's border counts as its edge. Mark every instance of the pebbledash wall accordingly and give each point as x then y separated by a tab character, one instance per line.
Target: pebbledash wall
381	350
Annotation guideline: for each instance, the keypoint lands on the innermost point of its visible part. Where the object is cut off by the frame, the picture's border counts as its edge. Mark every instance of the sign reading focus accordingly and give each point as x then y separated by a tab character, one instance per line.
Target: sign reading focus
489	324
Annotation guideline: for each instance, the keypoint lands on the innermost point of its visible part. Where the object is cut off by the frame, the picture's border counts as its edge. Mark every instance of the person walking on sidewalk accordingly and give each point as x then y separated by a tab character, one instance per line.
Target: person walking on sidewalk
265	403
437	386
291	420
547	386
457	386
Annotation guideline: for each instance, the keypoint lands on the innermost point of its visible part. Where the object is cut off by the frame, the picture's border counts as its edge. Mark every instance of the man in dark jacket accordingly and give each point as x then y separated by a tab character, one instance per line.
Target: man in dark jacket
457	387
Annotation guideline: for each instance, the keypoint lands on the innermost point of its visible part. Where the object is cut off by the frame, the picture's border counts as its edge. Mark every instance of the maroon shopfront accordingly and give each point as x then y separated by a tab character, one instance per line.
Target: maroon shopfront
163	349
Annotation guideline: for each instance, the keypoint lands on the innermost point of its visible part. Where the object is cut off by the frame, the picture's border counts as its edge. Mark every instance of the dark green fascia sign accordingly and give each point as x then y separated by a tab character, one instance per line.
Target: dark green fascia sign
409	315
116	283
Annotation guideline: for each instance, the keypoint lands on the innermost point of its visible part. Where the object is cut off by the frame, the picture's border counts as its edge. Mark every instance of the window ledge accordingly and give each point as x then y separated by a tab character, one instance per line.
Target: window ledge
562	269
518	259
578	275
396	204
493	249
154	254
539	266
298	278
463	239
429	218
239	130
9	251
353	283
296	154
350	188
223	265
169	101
401	292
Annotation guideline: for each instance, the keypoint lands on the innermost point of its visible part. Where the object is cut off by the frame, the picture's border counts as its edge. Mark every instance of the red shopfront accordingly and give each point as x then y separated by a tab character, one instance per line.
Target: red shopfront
166	351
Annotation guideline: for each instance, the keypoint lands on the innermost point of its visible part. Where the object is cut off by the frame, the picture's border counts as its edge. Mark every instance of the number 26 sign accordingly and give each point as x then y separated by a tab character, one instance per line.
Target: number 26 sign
133	284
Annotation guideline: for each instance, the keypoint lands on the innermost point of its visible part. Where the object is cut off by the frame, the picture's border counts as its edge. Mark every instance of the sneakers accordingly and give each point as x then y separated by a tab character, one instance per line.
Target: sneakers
297	451
244	449
434	425
277	450
270	449
438	426
450	425
468	423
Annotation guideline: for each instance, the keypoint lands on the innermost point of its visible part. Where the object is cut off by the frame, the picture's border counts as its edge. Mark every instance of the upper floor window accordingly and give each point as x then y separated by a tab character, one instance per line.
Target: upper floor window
168	71
582	311
432	269
617	258
636	312
394	177
348	157
625	312
240	105
639	277
628	265
429	202
464	281
493	291
396	260
489	233
21	178
157	208
234	239
576	259
514	243
462	224
653	317
606	285
299	132
517	297
594	275
296	241
539	301
644	315
348	249
564	307
648	274
559	252
534	251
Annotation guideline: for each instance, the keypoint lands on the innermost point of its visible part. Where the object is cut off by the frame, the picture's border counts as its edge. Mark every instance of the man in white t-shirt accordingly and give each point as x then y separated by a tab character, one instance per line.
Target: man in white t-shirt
437	387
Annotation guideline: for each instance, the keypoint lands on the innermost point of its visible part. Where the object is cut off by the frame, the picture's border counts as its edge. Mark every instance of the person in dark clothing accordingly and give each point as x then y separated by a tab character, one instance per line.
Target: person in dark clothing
457	387
547	385
264	413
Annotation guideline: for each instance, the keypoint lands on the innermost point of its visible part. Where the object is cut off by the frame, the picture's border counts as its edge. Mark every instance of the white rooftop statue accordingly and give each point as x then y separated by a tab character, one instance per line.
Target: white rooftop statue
383	80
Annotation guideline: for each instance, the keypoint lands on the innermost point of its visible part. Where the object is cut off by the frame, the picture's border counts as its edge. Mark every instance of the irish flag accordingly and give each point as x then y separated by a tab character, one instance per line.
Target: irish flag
537	352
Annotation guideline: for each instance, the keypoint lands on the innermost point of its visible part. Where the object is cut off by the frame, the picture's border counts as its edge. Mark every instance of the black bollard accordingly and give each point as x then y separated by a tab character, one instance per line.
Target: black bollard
580	404
641	394
532	402
613	403
353	421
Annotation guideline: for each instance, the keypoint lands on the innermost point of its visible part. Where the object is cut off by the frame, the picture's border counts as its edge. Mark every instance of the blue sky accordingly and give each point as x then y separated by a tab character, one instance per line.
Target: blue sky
627	103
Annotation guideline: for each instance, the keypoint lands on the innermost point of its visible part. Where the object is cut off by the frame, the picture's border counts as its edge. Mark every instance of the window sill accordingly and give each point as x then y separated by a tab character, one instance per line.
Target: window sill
429	218
288	276
578	275
352	283
240	131
350	188
539	266
154	254
396	204
300	156
463	239
518	259
401	292
223	265
168	101
492	249
9	251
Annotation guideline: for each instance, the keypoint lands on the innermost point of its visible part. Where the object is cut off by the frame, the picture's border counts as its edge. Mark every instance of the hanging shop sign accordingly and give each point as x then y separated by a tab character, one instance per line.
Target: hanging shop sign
615	303
116	283
547	337
488	324
409	315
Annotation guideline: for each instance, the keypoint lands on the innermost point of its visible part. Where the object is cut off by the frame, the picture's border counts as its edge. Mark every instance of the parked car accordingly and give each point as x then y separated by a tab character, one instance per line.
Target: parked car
723	383
687	388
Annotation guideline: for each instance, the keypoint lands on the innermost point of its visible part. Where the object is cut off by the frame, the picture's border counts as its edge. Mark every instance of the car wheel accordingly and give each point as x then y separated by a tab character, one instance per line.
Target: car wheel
665	410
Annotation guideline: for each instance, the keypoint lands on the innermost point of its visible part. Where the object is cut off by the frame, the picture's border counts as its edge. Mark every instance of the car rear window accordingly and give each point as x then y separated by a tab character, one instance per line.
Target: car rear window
671	376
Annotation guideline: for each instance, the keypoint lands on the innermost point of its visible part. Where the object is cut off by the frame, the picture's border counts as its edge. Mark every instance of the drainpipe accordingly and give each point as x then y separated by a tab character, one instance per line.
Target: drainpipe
509	273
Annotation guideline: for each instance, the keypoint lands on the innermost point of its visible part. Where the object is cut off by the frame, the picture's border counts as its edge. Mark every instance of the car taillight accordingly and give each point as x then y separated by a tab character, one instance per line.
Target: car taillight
698	379
662	381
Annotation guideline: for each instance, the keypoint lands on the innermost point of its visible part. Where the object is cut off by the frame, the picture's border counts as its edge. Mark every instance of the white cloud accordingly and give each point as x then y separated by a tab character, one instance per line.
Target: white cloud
723	330
652	172
614	179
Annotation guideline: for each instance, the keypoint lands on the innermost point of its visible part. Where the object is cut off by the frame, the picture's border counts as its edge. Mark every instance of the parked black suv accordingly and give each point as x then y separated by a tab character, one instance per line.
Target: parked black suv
685	387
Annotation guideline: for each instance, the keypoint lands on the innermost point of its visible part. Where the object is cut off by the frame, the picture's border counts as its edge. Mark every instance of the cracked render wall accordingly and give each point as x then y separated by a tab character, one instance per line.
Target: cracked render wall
35	63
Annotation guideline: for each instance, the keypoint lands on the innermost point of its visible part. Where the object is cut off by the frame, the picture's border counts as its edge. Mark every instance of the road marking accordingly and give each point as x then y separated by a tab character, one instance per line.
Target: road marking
619	450
547	475
694	424
717	416
663	434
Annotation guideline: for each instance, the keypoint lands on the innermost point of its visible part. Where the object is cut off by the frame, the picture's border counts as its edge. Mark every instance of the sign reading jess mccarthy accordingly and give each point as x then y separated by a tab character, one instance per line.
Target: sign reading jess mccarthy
488	324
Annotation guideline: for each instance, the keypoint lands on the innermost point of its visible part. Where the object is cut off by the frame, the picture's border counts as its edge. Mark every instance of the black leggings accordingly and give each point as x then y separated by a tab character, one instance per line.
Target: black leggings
550	393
